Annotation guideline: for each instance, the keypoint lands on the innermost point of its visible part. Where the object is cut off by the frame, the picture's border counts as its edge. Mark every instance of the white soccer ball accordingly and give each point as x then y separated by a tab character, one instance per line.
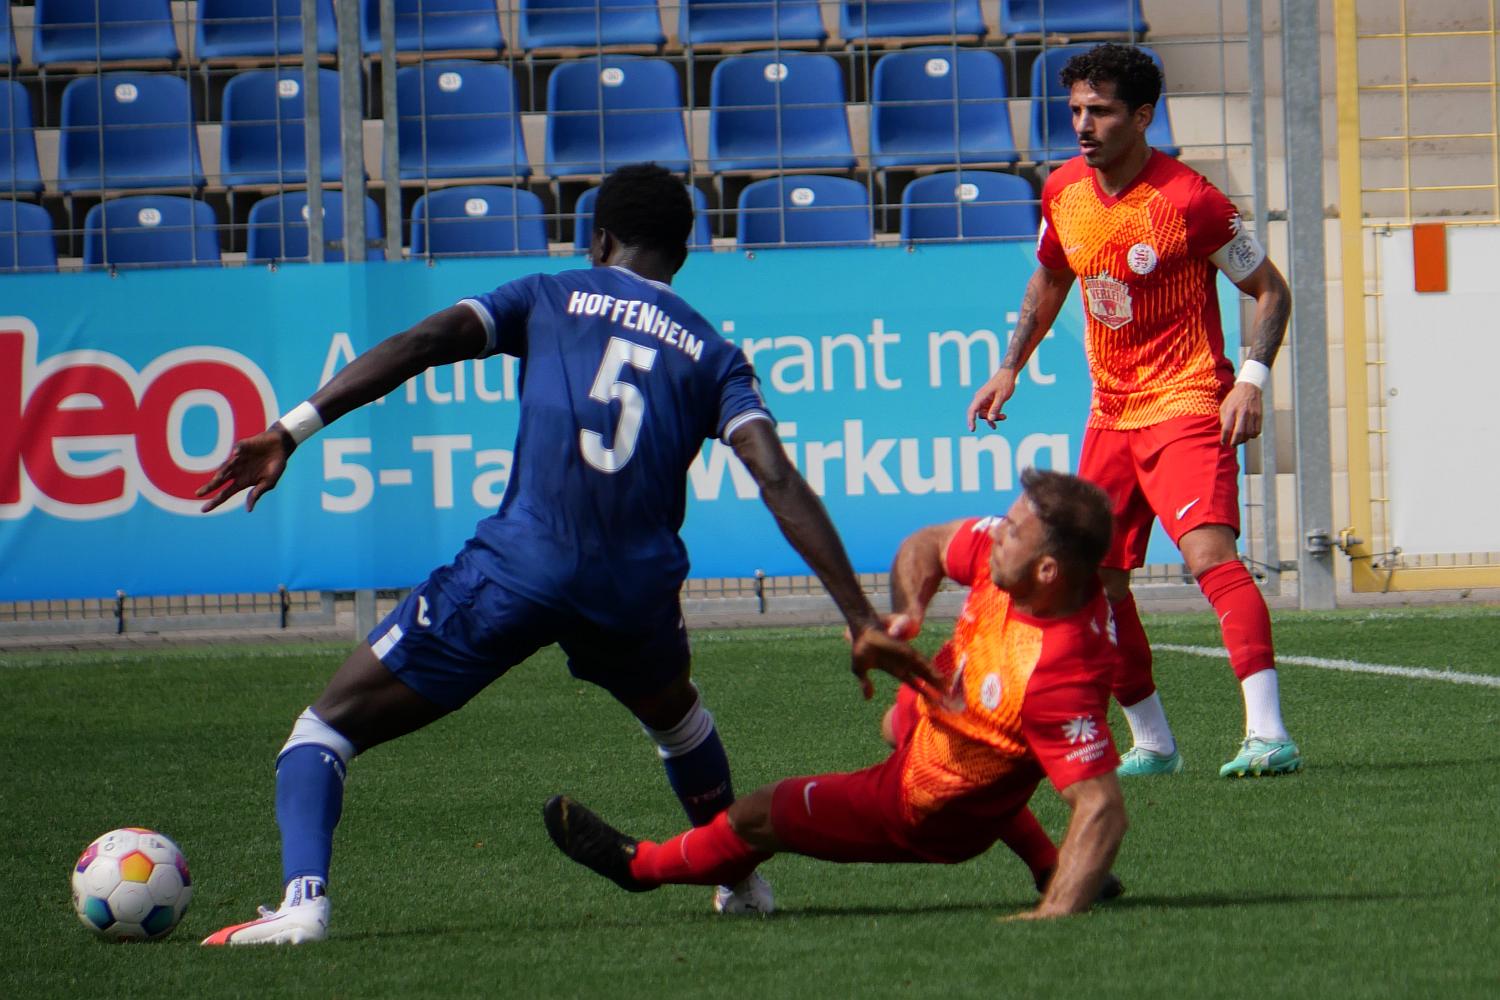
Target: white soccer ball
131	884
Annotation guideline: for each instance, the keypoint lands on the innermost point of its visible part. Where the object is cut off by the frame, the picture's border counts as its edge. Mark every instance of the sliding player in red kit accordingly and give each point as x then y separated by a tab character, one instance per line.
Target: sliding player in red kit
1028	672
1147	236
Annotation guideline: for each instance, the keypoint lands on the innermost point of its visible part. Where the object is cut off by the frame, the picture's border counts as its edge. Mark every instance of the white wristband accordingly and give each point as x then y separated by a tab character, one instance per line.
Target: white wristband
1254	372
302	422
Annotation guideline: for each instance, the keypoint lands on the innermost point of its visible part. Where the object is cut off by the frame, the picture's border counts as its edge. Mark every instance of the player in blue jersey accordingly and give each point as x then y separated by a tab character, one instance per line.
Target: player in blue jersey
622	382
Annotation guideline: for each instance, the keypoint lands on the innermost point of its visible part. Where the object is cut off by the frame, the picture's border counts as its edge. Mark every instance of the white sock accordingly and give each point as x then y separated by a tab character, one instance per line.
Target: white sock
303	889
1148	725
1263	706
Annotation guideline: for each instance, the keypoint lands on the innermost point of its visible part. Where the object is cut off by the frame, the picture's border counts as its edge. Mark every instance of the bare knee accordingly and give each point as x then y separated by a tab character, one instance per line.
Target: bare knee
888	726
1206	547
750	819
665	709
365	703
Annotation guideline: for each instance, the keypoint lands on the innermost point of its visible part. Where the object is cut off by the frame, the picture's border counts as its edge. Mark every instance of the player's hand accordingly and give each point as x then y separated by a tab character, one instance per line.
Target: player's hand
254	464
874	649
1240	415
991	396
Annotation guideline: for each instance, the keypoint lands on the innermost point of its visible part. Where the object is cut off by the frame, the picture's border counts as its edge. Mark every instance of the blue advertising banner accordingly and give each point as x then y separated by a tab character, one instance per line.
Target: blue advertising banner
120	394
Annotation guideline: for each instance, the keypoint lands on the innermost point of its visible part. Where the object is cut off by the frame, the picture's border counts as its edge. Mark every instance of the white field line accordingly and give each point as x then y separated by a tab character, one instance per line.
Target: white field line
1349	666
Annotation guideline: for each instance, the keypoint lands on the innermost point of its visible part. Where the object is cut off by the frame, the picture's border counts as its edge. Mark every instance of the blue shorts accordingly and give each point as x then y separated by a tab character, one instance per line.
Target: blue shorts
459	630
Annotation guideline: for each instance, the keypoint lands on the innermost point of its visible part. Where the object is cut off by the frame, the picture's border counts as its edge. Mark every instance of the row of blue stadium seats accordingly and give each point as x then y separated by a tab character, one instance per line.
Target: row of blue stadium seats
930	106
84	31
166	230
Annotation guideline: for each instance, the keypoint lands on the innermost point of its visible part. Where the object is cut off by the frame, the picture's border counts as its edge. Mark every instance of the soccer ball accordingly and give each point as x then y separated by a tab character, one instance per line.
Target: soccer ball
131	884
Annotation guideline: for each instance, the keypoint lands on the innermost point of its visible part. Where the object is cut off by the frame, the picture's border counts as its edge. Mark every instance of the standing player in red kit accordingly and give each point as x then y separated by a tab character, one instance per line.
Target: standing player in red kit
1146	235
1028	674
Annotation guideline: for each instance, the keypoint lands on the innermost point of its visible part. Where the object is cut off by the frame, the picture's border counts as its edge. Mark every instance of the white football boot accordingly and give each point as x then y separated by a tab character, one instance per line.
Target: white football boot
753	895
299	919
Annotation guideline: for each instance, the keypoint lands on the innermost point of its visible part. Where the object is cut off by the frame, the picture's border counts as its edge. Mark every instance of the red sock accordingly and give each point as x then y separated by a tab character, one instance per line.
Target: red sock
1243	616
705	855
1025	836
1133	683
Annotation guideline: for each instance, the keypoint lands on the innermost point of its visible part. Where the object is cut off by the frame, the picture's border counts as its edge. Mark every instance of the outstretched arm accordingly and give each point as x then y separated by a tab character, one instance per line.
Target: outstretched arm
916	574
1045	294
256	463
805	523
1093	838
1240	415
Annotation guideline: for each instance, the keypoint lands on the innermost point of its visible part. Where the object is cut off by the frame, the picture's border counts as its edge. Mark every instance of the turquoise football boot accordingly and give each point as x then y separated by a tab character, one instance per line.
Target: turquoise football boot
1138	761
1258	757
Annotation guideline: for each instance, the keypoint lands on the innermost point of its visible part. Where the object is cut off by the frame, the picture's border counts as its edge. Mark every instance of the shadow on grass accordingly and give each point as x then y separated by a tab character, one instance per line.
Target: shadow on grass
1208	902
996	907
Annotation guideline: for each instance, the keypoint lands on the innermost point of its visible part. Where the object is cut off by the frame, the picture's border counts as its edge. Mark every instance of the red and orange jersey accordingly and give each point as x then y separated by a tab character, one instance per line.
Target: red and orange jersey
1152	332
1035	692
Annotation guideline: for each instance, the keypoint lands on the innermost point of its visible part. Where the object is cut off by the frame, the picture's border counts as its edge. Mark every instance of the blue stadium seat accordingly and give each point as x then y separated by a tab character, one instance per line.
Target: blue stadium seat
770	111
239	29
1071	17
278	228
804	211
128	130
26	241
909	18
150	229
968	204
583	220
938	105
435	26
478	219
604	113
18	163
1052	135
459	119
548	24
712	21
87	31
264	140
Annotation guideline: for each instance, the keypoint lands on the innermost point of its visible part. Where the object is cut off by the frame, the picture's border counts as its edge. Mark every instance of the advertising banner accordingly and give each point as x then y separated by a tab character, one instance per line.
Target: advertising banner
119	395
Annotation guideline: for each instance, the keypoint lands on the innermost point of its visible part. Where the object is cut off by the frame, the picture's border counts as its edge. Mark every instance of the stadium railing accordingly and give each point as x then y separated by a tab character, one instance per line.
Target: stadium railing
523	47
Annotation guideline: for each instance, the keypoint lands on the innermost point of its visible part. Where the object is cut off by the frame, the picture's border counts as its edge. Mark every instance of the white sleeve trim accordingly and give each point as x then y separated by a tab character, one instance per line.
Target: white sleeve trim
749	416
486	319
1239	258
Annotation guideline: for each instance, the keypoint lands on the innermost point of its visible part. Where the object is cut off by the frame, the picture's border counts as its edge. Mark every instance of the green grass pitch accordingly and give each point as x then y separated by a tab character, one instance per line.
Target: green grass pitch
1373	873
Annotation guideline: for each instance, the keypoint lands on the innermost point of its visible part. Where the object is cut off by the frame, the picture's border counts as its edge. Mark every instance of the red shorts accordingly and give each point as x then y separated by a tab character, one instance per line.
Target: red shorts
861	815
1176	470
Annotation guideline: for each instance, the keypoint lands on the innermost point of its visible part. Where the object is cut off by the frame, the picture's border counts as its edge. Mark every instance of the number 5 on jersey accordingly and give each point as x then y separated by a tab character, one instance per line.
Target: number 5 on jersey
608	388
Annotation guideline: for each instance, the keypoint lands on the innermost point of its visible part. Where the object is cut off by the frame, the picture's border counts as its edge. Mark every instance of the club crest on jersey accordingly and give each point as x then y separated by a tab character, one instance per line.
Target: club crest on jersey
1141	258
1109	300
989	692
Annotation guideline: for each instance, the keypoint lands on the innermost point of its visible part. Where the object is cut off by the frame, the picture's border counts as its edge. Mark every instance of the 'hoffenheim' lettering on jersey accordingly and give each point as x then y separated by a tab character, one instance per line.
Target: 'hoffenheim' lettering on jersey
621	383
634	314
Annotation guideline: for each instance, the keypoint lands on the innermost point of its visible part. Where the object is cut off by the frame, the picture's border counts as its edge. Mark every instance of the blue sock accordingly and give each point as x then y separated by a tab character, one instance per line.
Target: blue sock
309	801
697	767
701	779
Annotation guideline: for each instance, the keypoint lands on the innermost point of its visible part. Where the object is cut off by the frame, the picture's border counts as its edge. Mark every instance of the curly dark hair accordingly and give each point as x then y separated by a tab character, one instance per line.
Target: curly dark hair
1134	73
1076	516
645	205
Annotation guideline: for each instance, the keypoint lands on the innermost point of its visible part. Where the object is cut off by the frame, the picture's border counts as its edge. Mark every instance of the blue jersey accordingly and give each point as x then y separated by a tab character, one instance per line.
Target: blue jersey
621	383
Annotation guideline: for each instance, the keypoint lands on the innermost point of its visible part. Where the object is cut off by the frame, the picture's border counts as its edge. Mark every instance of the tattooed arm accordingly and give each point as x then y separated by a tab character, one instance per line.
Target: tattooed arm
1240	415
1045	294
